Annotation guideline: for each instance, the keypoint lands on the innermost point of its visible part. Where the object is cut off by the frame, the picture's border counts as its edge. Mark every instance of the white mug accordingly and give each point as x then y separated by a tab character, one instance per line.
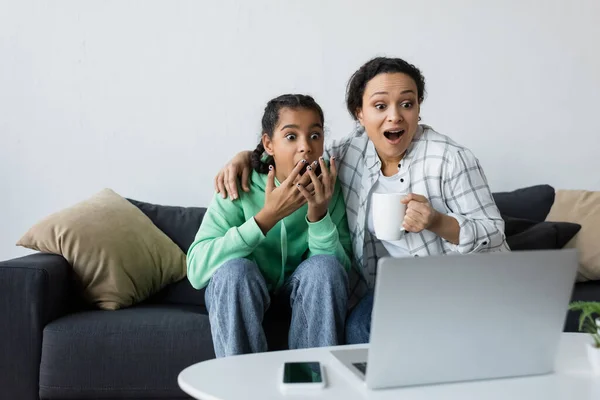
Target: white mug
388	215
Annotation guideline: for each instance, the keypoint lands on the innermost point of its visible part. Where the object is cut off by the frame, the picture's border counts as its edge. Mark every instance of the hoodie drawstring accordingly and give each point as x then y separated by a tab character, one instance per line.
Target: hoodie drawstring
283	240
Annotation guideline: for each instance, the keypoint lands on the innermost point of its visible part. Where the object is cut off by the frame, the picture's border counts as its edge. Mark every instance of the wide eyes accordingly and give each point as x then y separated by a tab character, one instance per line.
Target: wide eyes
313	136
406	105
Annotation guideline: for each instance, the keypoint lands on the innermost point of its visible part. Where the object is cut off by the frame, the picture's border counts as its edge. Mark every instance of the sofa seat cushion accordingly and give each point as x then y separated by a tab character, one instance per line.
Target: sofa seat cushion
128	353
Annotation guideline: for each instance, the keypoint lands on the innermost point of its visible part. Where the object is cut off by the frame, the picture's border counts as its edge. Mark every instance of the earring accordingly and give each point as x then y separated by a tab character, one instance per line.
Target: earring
419	117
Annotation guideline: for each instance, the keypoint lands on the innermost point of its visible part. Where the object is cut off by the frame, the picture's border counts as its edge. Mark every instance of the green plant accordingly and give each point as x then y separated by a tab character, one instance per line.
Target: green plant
590	312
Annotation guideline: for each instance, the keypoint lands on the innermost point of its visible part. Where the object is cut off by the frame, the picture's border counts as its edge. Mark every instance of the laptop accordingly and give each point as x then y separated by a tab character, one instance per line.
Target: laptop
452	318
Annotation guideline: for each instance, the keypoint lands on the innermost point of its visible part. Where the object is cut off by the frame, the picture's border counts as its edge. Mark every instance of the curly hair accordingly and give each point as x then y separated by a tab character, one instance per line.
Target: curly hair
379	65
270	120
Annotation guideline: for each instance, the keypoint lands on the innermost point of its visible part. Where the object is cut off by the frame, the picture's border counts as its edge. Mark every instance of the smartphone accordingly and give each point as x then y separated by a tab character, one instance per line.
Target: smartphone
317	170
302	376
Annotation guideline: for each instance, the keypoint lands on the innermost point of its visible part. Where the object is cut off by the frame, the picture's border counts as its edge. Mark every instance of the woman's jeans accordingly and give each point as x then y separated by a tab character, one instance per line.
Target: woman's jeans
237	298
358	325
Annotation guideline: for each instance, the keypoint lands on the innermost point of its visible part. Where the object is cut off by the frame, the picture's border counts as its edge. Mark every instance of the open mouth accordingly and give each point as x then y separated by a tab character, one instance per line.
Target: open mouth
393	136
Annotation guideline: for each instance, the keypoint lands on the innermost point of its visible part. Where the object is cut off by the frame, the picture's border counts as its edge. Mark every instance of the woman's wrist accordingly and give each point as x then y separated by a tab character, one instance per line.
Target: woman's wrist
446	227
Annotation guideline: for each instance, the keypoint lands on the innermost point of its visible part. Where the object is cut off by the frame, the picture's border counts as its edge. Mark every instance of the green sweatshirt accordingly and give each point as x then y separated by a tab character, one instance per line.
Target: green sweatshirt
229	231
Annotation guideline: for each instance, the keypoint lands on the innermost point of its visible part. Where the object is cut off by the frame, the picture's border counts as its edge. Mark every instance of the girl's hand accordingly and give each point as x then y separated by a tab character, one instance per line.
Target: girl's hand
420	215
280	201
318	198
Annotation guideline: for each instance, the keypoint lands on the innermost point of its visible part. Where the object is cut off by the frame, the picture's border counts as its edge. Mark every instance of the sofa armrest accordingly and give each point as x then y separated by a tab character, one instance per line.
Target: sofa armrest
34	290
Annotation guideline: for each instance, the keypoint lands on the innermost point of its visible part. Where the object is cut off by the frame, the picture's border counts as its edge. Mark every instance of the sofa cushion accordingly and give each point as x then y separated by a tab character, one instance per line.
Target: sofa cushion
545	236
118	255
130	353
581	207
181	225
181	292
538	235
533	203
178	223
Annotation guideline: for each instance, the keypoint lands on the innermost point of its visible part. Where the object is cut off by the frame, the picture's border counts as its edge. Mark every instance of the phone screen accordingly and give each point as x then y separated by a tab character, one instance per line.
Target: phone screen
302	372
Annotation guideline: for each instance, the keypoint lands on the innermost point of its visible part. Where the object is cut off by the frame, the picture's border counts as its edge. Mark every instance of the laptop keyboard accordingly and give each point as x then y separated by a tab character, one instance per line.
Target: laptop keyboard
362	367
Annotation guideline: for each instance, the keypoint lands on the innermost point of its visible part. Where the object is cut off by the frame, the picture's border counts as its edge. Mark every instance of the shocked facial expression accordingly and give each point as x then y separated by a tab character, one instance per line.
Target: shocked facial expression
390	113
298	135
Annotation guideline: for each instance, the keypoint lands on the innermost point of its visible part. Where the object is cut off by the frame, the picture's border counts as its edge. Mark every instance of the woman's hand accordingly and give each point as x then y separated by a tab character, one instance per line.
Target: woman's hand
280	201
420	215
226	179
319	195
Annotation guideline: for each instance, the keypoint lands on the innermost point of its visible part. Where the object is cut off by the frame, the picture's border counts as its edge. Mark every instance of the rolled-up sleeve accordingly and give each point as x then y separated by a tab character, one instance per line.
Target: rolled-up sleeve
470	202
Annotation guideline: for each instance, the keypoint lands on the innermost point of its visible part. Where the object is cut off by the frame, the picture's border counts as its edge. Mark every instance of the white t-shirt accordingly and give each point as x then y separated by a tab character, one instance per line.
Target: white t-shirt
389	184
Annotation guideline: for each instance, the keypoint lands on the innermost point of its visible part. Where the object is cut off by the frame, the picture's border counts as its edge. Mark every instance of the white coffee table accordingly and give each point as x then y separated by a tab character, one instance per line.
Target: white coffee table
255	376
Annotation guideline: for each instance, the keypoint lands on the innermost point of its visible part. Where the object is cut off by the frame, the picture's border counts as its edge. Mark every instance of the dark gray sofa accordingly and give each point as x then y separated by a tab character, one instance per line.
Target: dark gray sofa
54	346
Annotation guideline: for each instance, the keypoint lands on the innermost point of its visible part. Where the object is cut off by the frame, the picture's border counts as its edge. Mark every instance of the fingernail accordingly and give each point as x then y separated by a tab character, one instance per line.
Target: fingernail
297	184
321	158
303	161
315	163
309	168
333	158
270	168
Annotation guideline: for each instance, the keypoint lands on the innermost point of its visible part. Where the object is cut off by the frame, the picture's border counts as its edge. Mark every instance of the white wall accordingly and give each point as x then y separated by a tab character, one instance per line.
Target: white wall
151	97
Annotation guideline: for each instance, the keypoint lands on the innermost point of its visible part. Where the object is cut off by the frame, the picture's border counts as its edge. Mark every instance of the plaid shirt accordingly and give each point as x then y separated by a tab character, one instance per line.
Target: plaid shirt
434	166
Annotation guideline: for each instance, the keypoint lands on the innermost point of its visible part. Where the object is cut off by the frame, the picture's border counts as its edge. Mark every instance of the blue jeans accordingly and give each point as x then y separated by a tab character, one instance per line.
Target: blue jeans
358	325
237	298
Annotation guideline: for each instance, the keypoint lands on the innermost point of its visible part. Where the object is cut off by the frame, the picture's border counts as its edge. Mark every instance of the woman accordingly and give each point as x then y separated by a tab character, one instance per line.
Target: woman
280	242
450	208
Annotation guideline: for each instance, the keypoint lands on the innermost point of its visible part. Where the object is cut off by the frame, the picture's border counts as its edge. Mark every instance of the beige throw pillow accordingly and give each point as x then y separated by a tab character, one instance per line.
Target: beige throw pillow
119	256
583	208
